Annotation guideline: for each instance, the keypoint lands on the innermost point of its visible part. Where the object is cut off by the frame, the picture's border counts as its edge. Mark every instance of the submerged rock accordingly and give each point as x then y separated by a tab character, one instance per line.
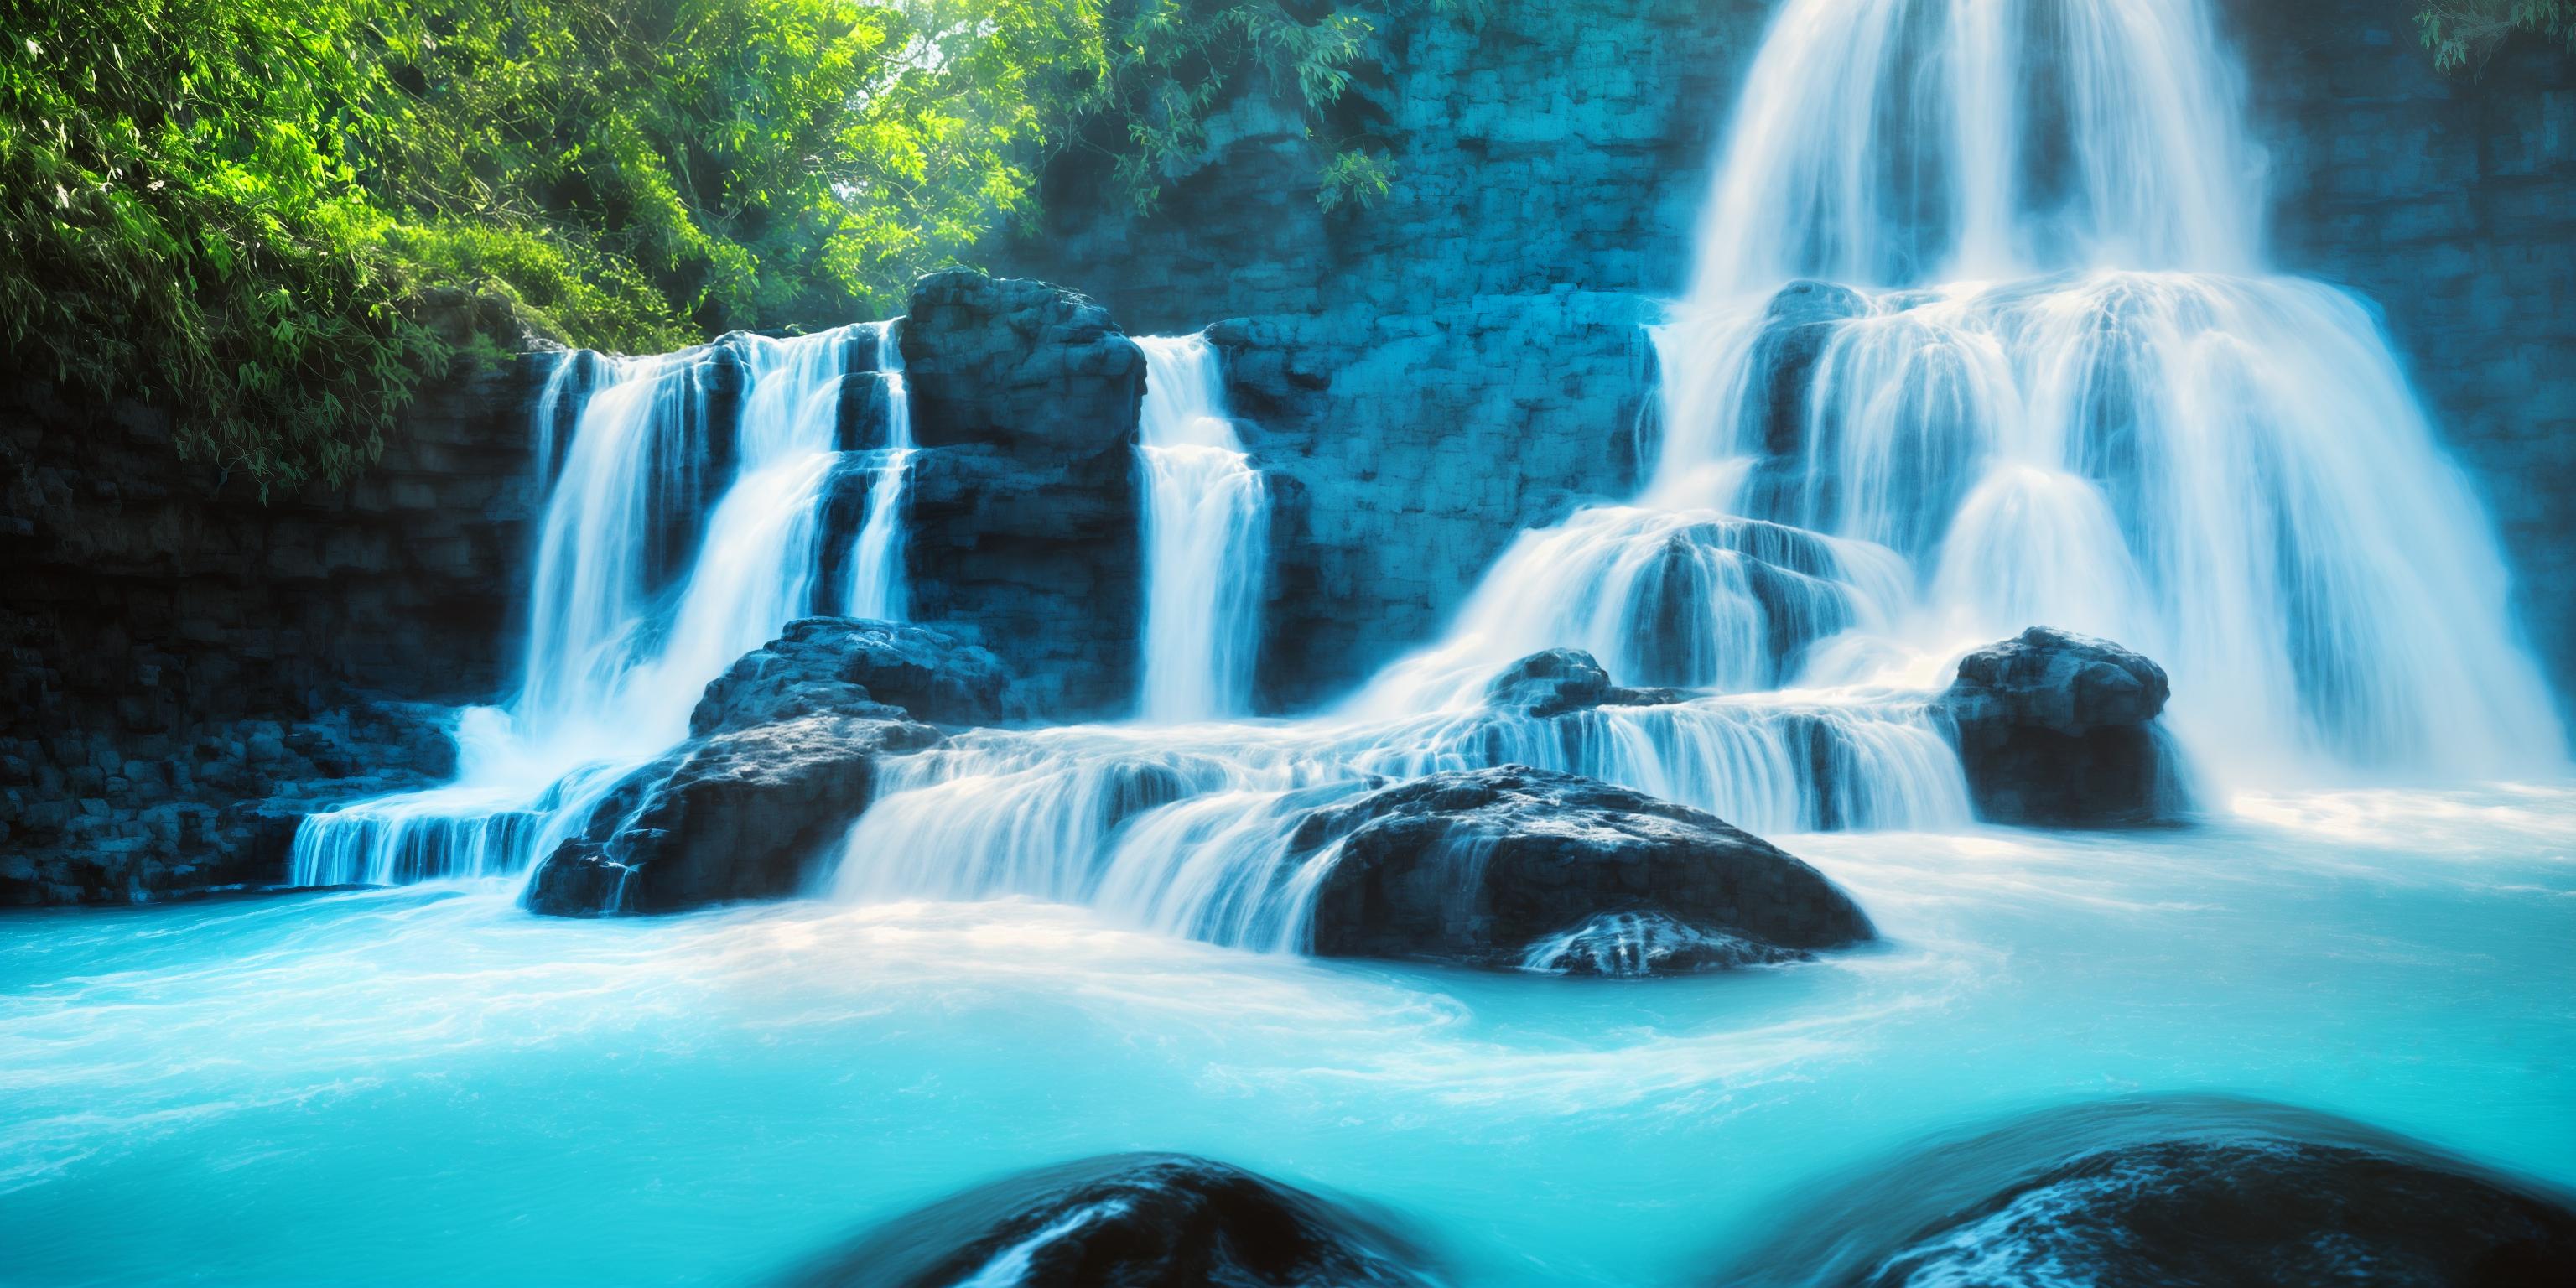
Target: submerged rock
2059	729
1562	680
1126	1221
1483	866
2176	1193
744	814
852	666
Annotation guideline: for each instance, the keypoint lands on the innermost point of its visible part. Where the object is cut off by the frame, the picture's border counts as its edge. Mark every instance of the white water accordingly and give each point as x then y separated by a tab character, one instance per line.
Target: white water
876	565
615	661
2065	394
2077	401
434	1088
1206	538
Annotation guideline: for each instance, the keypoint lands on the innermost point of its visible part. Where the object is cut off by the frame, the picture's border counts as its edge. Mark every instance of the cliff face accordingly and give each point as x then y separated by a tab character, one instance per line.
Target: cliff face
178	653
1463	360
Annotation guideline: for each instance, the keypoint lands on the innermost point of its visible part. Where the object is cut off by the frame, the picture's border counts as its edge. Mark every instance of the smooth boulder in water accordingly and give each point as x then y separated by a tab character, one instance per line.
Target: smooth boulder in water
741	815
2175	1192
784	757
1481	866
827	665
1126	1221
1562	680
2057	729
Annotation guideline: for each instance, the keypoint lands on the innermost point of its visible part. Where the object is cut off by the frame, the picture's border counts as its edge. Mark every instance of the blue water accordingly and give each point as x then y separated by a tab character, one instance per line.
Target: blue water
425	1085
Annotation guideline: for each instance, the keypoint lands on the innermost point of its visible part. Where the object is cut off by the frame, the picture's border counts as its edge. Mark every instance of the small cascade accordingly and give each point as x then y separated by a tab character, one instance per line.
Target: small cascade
1206	538
680	532
876	562
1193	831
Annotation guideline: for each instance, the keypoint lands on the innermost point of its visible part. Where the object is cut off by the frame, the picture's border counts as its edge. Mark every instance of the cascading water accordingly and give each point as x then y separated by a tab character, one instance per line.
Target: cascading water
641	592
2056	390
876	562
1206	513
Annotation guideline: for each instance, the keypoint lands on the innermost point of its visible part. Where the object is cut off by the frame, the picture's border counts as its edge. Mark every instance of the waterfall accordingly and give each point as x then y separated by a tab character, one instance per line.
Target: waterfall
1979	308
876	561
1206	518
681	531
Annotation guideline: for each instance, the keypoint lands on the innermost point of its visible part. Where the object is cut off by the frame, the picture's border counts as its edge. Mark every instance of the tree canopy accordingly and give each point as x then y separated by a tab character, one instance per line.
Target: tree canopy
227	208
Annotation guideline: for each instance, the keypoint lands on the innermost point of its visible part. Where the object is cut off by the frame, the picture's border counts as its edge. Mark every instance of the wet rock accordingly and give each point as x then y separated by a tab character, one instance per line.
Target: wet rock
1564	679
854	667
1027	366
1626	945
1127	1221
744	814
2176	1193
1795	329
1481	866
2058	729
1022	505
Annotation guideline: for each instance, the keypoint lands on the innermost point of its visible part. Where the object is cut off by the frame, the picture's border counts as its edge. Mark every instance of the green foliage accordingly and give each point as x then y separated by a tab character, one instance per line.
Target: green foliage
2463	33
180	221
1355	178
651	168
1169	63
224	208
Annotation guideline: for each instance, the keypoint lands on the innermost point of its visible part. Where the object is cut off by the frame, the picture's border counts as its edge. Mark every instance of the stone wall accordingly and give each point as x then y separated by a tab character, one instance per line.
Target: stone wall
179	652
2450	201
1551	168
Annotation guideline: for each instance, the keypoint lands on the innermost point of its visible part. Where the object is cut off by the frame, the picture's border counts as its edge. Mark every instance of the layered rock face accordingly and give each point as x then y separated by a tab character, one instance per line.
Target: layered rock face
179	649
2059	730
1023	504
783	756
1484	866
1481	321
1131	1220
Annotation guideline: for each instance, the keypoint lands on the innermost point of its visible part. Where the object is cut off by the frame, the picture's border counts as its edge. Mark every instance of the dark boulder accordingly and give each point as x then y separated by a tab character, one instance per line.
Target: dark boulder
855	667
1126	1221
1027	366
2175	1193
2059	729
744	814
1479	866
1562	680
1021	508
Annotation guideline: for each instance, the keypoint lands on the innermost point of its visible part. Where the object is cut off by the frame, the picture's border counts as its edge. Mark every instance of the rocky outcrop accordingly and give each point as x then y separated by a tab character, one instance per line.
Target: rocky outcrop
1562	680
1022	507
741	815
850	666
783	756
2058	729
1481	866
2176	1192
179	649
1130	1220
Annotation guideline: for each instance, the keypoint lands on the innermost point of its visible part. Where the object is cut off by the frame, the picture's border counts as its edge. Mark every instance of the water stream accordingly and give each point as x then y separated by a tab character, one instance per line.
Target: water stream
1981	334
